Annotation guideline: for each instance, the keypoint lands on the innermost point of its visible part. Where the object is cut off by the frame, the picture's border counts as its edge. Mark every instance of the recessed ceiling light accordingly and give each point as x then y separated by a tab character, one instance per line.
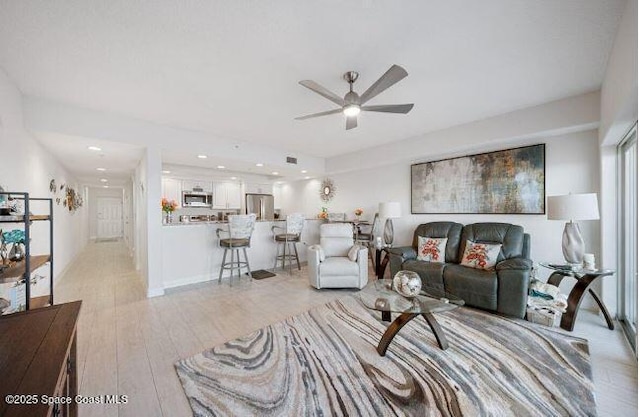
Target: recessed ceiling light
304	171
164	171
103	180
221	166
94	148
278	182
202	156
101	169
307	177
275	173
105	186
234	178
259	164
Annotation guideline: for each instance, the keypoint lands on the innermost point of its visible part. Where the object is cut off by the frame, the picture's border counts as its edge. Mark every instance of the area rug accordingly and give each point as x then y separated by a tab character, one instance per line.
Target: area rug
324	363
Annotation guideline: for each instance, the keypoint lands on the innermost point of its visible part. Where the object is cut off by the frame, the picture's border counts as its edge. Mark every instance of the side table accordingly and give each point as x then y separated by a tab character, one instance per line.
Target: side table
584	278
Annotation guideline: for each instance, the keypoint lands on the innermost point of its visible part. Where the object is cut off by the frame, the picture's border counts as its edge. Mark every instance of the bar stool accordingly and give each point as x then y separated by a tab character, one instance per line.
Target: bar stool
366	237
292	231
240	228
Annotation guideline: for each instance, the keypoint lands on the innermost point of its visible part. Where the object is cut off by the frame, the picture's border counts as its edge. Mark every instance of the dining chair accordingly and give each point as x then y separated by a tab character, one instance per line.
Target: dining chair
366	234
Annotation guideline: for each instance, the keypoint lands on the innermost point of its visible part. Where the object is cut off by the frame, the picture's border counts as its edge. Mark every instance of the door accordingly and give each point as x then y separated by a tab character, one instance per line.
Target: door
109	219
628	190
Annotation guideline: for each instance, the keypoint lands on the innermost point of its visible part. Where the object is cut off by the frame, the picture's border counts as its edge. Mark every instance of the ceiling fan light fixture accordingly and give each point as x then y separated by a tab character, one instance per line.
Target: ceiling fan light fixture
351	110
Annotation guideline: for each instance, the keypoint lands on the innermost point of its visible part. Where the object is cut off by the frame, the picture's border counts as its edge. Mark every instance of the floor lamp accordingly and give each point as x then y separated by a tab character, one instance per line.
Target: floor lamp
573	207
389	210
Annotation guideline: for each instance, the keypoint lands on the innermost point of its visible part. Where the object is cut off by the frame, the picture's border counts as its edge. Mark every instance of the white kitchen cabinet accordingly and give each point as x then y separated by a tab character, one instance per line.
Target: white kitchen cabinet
226	195
171	189
189	185
257	188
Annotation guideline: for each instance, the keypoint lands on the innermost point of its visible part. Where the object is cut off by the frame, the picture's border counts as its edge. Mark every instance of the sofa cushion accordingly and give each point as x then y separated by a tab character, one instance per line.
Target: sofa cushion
431	249
336	238
477	287
451	230
338	266
509	235
480	255
430	272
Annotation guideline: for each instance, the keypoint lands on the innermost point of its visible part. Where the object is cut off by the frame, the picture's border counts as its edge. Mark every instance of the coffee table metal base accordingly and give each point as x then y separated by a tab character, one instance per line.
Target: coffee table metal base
399	323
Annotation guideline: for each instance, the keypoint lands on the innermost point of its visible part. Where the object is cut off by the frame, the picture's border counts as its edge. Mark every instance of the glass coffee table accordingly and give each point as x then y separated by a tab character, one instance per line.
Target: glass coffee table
379	296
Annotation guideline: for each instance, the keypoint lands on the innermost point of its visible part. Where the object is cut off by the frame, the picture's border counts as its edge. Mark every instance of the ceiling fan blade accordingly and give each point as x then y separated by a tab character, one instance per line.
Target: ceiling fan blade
352	122
324	113
389	78
389	108
315	87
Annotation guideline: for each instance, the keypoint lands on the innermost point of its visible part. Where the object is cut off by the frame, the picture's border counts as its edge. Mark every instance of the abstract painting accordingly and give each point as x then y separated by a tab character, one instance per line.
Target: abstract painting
510	181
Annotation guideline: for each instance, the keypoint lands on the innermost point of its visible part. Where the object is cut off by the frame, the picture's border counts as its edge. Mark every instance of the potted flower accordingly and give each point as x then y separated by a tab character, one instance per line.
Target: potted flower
168	207
324	214
358	212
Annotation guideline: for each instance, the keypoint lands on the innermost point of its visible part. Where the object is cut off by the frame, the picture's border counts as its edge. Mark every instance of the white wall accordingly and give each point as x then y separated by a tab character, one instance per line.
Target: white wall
92	206
570	162
27	166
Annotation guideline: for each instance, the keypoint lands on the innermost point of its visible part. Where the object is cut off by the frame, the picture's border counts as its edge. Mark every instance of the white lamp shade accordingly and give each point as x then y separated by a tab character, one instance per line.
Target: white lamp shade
389	210
573	207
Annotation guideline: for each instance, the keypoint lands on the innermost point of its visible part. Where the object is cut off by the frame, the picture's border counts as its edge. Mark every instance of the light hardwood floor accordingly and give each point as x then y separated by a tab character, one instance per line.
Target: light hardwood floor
127	343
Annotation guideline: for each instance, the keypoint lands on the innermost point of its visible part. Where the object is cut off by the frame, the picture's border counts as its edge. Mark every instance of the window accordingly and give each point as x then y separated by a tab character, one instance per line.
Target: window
628	228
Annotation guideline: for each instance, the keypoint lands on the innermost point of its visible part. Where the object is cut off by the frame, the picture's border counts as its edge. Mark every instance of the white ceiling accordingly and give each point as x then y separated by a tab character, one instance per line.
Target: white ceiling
231	68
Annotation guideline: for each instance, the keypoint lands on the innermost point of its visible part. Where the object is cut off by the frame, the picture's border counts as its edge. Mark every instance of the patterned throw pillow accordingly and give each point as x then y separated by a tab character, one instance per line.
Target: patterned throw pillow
480	255
431	249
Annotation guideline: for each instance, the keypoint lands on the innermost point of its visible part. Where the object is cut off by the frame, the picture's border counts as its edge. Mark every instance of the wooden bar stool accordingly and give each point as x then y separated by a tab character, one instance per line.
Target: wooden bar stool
237	236
287	237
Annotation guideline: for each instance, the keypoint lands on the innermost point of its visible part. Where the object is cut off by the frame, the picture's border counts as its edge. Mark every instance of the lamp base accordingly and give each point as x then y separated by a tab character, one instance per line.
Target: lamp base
572	244
388	232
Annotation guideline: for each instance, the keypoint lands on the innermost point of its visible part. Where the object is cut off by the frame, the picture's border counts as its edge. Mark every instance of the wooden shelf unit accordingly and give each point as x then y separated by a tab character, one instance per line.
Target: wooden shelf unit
21	271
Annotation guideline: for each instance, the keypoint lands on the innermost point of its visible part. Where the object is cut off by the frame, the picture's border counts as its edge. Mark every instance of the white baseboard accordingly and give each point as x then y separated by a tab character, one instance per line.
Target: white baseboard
155	292
189	280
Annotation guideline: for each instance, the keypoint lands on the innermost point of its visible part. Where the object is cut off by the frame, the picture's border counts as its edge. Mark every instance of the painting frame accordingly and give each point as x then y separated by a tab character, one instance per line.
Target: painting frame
529	161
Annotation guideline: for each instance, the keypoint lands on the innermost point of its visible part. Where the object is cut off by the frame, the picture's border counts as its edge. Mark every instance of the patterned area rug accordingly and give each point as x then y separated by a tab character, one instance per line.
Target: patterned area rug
324	363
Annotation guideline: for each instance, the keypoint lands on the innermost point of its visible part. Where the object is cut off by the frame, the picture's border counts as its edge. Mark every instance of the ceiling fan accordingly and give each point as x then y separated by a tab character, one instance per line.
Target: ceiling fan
352	103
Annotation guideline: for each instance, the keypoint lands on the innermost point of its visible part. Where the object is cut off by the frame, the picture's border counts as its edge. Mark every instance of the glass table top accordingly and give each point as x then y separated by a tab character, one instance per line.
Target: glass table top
378	295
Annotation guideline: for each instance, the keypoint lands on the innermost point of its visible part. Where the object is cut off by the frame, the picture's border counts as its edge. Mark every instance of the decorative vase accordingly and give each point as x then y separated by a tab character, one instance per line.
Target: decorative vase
407	283
168	217
16	254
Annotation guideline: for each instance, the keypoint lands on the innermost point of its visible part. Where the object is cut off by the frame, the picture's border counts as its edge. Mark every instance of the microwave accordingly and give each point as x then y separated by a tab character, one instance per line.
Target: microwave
197	199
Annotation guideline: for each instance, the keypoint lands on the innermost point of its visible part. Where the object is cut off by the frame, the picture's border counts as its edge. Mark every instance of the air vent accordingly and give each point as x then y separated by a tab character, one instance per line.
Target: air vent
292	160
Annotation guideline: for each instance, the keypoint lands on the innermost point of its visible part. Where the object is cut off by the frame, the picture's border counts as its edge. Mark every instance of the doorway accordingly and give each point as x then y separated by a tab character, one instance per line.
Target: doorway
628	233
109	218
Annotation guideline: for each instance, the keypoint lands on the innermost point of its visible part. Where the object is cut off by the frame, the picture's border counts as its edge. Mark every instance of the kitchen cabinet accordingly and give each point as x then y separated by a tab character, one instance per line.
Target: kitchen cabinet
171	189
227	195
189	185
258	188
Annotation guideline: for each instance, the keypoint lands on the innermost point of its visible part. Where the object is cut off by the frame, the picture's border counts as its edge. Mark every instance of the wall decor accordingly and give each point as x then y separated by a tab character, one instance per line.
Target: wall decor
327	190
510	181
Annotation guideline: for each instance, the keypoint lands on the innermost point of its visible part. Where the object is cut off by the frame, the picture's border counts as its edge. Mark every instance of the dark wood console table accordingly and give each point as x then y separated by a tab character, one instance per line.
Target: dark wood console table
584	278
381	264
38	358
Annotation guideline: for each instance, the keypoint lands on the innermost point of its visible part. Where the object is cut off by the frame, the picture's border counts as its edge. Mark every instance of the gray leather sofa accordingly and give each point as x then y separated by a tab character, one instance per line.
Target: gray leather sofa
503	289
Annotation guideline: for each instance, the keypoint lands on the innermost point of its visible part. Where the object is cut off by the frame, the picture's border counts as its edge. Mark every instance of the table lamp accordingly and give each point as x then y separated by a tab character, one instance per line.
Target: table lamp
573	207
389	210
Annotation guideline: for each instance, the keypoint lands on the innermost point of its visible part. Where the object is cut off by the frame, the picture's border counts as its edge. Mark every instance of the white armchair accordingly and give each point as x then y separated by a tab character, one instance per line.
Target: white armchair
329	263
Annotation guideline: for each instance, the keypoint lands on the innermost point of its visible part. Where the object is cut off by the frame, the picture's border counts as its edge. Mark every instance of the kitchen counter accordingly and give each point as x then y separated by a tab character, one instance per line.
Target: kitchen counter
191	254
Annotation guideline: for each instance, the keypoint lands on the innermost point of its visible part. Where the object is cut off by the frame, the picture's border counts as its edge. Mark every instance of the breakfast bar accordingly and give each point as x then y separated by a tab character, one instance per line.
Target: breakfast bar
190	252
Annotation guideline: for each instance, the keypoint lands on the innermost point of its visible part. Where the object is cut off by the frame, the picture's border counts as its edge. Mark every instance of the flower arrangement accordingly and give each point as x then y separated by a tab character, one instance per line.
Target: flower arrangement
169	206
358	212
324	214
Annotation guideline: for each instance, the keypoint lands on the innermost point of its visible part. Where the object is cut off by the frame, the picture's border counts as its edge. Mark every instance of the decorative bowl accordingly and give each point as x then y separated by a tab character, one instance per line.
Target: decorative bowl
407	283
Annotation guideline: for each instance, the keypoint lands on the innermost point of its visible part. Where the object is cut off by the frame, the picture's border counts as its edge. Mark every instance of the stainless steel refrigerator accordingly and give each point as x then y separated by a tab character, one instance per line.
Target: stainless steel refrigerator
261	205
